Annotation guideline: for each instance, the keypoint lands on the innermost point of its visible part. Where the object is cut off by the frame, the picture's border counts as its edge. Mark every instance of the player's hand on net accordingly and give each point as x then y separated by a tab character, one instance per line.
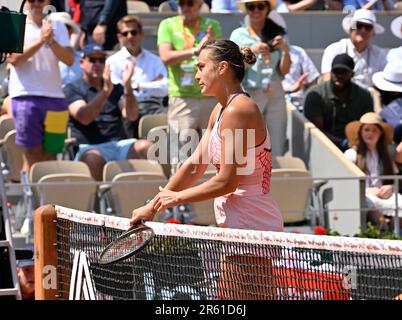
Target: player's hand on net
146	213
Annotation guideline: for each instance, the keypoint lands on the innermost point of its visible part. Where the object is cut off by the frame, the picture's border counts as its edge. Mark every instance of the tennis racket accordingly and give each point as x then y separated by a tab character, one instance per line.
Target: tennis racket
127	244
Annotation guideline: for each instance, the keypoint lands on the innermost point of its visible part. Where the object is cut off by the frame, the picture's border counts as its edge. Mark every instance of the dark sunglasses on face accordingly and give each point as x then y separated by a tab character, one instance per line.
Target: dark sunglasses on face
188	3
366	26
132	32
252	6
94	60
32	1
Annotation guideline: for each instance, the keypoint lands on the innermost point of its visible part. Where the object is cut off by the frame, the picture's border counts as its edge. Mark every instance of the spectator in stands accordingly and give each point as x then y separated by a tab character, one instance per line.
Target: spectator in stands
149	79
332	104
98	19
396	29
26	277
224	6
69	73
368	58
264	79
38	104
389	82
179	40
302	75
96	109
375	5
241	191
369	139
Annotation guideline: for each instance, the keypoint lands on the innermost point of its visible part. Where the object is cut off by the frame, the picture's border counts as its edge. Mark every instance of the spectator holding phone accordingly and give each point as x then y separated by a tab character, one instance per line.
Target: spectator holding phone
263	33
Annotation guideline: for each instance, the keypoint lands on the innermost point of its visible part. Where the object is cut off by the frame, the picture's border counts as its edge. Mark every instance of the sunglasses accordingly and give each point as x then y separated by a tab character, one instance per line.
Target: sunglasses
366	26
94	60
132	32
252	6
32	1
188	3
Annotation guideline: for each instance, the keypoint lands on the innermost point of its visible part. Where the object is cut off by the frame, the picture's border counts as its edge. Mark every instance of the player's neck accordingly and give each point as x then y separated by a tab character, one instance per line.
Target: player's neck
228	93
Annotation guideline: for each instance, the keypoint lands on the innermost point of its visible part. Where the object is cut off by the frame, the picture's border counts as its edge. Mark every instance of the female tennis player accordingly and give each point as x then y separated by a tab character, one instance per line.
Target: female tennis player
237	143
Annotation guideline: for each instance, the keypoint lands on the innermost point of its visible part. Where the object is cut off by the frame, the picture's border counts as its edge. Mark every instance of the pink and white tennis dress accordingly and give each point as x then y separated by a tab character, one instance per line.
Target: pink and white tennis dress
250	206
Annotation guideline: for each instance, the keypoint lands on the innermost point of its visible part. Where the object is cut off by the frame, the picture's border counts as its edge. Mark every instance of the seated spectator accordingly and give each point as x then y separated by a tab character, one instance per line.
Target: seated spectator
69	73
96	108
332	104
369	139
368	58
389	82
149	78
396	29
26	277
375	5
302	75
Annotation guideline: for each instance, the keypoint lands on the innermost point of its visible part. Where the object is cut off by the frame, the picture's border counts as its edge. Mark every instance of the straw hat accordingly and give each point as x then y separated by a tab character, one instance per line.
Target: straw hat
242	4
391	78
352	128
65	18
396	27
362	15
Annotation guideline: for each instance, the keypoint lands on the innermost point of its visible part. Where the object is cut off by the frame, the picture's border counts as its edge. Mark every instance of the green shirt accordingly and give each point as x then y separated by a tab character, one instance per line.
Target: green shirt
171	31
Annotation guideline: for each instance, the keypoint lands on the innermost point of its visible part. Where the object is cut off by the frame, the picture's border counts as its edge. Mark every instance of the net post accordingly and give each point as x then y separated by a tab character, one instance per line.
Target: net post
45	253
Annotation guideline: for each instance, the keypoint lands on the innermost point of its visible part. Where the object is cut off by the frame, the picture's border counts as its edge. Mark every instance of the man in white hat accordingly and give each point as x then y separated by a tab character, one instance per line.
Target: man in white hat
396	29
368	58
389	82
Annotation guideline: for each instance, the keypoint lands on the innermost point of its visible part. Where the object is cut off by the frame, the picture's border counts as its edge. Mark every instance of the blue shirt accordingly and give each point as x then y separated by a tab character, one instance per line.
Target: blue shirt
258	73
70	73
224	6
358	4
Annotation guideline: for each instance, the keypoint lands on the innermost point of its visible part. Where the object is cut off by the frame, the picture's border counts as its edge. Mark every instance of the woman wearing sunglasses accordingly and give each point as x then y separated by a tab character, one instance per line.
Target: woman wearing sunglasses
263	33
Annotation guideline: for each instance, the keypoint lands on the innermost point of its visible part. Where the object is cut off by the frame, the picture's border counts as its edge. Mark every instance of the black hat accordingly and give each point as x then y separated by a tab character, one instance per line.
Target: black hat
343	61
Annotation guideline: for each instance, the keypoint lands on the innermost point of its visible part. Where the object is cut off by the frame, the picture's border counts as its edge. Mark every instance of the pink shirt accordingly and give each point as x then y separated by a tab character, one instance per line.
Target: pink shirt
250	206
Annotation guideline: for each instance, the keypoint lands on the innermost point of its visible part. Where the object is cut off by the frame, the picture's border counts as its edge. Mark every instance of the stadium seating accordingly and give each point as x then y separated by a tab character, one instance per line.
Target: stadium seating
68	192
129	184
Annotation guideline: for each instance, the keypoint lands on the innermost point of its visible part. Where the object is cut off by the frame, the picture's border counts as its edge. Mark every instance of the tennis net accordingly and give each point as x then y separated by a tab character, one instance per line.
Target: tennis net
193	262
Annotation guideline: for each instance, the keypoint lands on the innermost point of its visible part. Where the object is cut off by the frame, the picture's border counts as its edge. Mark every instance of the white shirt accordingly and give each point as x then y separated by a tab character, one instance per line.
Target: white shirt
301	63
148	67
370	61
372	165
395	54
40	74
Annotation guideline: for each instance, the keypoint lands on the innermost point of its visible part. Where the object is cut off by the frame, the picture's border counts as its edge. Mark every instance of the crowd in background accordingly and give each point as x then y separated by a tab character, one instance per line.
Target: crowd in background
86	69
